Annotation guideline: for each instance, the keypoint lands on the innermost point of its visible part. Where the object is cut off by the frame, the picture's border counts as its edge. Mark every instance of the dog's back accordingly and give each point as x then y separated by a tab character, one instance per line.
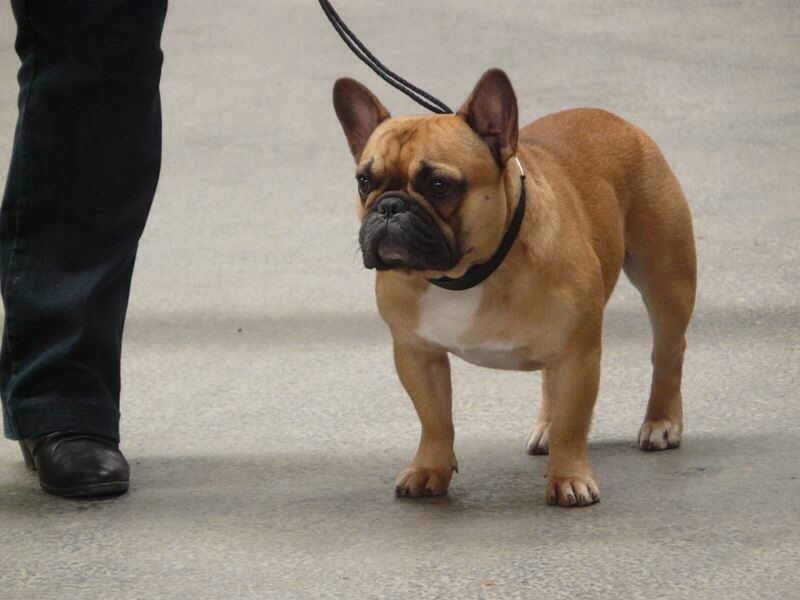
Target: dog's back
623	183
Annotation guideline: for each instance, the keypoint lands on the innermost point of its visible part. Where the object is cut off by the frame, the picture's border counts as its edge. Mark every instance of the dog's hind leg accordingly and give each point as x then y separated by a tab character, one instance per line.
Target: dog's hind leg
538	440
660	261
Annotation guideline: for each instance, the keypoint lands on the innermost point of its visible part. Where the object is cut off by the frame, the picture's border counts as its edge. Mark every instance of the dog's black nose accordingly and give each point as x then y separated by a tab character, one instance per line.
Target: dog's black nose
390	206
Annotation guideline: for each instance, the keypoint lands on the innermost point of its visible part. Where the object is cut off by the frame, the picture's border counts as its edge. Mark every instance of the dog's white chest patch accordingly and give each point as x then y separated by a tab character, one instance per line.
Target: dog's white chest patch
445	316
445	319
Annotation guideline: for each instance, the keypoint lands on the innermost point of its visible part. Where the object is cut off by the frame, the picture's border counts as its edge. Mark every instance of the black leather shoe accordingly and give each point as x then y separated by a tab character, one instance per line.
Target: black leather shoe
77	465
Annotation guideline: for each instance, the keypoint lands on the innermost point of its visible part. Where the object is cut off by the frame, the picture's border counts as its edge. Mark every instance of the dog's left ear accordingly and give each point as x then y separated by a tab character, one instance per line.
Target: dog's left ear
491	111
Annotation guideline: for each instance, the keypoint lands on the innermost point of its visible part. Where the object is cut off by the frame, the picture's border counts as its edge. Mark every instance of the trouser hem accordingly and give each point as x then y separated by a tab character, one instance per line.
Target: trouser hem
85	418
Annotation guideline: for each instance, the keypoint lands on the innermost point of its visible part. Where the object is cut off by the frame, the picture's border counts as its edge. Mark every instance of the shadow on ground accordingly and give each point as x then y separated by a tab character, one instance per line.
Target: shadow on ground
282	523
710	324
495	479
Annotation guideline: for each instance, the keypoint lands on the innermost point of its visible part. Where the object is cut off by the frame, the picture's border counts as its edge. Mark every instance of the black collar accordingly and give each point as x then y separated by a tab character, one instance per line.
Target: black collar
477	274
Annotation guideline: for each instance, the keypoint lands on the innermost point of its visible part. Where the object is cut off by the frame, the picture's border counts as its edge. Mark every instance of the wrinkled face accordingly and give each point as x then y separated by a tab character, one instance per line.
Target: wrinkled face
431	197
428	189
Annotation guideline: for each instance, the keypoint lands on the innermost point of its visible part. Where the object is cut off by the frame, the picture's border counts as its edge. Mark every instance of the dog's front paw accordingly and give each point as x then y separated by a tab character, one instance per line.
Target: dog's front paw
417	481
575	490
538	441
662	434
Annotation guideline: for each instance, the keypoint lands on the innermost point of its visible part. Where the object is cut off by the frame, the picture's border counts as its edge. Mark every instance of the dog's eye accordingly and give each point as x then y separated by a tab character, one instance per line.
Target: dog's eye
439	188
364	184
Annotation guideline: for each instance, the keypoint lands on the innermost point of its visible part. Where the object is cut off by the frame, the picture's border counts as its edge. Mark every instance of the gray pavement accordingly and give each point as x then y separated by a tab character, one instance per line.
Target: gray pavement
261	412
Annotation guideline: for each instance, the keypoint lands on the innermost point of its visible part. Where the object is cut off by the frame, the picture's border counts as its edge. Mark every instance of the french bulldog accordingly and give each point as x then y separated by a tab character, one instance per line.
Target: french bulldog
502	246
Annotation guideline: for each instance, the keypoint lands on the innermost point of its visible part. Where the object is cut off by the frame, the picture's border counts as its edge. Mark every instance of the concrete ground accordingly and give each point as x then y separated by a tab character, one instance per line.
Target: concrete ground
261	413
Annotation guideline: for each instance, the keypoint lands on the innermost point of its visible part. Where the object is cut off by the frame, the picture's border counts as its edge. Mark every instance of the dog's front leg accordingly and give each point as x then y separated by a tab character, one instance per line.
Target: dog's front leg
570	481
425	374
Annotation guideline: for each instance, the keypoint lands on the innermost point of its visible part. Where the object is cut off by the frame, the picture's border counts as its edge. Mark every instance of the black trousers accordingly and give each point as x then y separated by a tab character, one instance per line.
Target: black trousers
84	168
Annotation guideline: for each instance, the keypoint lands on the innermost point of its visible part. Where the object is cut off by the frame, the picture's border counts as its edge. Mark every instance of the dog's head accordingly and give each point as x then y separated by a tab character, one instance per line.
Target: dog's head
431	191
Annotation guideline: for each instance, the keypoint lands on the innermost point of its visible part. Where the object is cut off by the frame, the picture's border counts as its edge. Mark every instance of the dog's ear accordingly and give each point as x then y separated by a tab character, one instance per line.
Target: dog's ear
491	111
359	112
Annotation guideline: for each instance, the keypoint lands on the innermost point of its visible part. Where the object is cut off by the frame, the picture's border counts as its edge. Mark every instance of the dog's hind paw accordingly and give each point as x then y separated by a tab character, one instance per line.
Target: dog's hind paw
662	434
538	441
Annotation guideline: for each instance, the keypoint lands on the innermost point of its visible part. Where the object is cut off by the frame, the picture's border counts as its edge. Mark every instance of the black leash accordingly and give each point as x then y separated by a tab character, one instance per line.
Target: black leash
360	50
477	273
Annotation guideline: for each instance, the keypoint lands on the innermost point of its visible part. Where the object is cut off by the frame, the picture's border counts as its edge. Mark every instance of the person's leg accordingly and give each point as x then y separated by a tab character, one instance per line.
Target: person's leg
83	172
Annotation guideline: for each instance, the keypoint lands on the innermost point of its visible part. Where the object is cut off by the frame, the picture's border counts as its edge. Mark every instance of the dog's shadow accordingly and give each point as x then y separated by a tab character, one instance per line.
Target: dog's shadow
306	495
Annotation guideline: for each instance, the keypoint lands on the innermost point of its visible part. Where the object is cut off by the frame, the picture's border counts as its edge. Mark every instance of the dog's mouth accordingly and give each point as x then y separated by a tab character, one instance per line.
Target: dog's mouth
407	240
391	251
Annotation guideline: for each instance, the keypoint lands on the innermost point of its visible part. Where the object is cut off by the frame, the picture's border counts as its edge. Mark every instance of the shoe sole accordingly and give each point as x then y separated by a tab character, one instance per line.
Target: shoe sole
95	490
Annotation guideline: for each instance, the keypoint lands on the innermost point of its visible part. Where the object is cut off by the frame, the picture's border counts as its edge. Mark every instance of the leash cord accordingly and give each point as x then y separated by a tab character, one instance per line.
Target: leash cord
418	95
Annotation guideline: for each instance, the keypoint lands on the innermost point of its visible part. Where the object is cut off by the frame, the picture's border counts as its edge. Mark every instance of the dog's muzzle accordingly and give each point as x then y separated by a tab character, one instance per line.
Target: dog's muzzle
399	233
